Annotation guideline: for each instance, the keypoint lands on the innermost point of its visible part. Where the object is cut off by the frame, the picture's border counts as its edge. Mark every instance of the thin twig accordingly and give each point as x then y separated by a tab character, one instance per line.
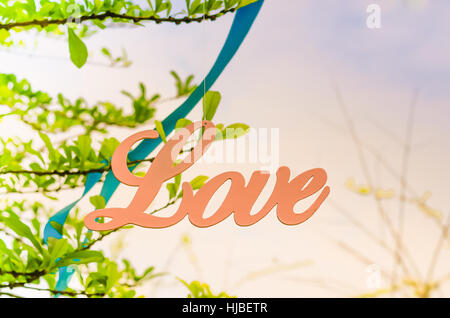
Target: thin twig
10	295
403	181
359	256
437	250
328	284
359	148
369	233
103	235
64	292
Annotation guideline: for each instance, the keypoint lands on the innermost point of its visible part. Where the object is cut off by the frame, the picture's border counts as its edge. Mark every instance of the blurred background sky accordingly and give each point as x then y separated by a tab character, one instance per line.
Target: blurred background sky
285	76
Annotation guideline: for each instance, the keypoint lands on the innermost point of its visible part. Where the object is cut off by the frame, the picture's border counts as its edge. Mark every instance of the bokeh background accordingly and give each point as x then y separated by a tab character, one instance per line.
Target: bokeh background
344	97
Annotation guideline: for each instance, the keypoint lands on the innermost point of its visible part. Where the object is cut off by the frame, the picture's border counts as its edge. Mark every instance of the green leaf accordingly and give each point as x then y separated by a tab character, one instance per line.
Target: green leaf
23	230
172	190
202	290
183	122
160	130
211	101
49	146
108	147
31	5
113	275
98	202
58	227
99	24
77	49
233	131
84	144
106	52
57	248
177	181
246	3
81	257
198	182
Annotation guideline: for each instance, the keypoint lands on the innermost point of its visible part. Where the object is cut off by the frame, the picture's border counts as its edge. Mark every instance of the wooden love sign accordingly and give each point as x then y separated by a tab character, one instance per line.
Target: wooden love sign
239	200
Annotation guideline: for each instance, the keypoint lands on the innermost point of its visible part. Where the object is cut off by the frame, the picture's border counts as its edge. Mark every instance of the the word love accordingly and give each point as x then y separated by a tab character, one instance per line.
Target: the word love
239	201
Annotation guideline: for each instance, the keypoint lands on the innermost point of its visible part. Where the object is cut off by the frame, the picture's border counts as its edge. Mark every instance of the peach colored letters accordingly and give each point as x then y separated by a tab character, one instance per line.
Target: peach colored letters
239	200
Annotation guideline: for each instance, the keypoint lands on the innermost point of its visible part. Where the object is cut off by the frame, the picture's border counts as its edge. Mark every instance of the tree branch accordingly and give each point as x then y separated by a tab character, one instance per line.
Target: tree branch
103	235
30	276
65	292
71	172
10	295
63	173
112	15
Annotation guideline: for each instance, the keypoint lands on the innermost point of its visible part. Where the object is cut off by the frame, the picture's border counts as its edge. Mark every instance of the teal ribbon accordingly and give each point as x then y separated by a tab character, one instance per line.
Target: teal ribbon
242	23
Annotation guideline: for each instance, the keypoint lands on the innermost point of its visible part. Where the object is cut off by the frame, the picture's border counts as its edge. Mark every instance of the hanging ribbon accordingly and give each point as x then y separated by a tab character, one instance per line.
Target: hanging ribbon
242	23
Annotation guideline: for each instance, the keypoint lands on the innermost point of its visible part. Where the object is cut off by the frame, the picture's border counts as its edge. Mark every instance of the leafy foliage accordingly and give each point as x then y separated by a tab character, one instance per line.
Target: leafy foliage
22	264
78	50
86	17
25	260
202	290
46	163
